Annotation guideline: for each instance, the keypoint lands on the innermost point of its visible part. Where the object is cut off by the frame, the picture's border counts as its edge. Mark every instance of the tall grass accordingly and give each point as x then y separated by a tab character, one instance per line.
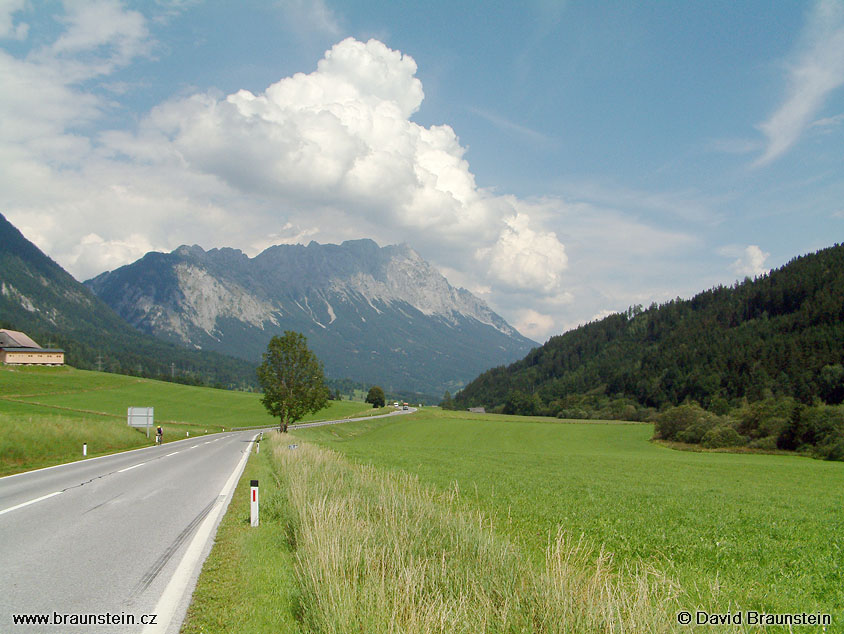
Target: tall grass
28	442
376	551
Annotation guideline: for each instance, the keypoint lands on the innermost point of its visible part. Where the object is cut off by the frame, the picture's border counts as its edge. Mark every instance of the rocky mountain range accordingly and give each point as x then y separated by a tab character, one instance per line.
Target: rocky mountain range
378	315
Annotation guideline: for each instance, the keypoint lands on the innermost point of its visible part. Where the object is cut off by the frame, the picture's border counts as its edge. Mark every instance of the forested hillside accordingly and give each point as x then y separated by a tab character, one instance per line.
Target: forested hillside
39	297
780	336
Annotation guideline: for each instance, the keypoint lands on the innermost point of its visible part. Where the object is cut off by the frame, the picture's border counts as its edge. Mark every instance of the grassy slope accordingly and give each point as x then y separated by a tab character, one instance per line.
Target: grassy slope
47	413
767	528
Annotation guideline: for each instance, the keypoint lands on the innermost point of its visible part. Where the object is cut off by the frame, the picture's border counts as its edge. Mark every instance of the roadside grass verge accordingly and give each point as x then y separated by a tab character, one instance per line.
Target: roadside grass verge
30	442
247	584
46	414
33	436
353	548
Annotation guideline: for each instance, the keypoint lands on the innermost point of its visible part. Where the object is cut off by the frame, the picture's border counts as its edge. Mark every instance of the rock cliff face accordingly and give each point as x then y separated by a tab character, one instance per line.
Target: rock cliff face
378	315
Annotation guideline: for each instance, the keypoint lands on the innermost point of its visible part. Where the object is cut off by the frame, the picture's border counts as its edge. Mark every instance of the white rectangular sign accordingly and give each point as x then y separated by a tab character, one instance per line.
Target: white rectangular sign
140	417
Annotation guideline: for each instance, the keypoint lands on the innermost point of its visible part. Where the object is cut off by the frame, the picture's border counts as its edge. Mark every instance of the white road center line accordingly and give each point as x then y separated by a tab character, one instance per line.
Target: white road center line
171	454
20	506
134	466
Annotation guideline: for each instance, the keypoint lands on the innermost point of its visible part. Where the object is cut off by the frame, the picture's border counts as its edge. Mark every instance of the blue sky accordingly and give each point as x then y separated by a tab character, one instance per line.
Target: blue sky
562	160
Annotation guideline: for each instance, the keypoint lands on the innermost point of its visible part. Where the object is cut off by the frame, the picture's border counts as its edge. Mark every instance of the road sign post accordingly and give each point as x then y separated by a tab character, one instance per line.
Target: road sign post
254	503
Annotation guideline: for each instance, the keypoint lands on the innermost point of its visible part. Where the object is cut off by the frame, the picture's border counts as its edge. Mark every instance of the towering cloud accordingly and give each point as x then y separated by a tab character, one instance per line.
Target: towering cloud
342	137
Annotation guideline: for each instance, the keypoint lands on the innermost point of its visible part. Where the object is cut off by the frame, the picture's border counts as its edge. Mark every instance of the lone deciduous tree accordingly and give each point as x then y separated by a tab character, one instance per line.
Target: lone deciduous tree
292	379
376	396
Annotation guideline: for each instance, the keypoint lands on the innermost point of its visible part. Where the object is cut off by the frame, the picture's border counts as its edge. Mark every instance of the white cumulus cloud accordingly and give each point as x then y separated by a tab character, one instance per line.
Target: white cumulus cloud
533	324
108	253
524	258
750	261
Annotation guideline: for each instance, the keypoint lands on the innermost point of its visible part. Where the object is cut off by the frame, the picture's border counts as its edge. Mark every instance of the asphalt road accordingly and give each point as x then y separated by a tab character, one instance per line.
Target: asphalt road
116	540
103	539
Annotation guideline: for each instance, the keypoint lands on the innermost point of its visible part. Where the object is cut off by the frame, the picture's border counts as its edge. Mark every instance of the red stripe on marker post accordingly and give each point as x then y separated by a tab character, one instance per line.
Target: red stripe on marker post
254	504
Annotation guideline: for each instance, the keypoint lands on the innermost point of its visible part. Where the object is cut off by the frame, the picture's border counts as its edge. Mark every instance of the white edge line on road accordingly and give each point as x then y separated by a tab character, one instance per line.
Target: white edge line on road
188	566
19	506
87	460
134	466
75	462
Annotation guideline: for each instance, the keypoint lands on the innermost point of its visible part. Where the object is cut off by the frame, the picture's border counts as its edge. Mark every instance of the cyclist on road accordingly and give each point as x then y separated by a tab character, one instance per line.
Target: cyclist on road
159	435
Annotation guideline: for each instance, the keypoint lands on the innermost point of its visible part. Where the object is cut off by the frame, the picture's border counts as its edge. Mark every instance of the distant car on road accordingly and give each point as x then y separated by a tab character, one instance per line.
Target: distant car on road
404	407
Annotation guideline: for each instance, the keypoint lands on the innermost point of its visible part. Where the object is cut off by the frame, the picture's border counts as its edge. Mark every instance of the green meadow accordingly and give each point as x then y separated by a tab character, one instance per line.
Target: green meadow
734	531
46	414
451	522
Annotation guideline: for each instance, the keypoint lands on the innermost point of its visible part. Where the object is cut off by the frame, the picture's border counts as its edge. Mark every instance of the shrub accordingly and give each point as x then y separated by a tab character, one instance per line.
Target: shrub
836	452
719	405
767	443
723	436
695	432
768	417
576	414
674	420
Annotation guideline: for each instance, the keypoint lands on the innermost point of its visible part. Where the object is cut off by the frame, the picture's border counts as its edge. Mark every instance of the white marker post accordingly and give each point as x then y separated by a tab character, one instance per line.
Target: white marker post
254	503
85	449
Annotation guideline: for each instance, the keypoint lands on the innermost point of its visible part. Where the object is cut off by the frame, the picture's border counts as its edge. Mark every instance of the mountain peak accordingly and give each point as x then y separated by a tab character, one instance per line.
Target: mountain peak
380	314
188	251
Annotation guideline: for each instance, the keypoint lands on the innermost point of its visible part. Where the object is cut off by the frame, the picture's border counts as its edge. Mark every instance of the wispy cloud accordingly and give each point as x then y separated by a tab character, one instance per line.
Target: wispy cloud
829	123
524	132
687	205
313	15
734	146
817	70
